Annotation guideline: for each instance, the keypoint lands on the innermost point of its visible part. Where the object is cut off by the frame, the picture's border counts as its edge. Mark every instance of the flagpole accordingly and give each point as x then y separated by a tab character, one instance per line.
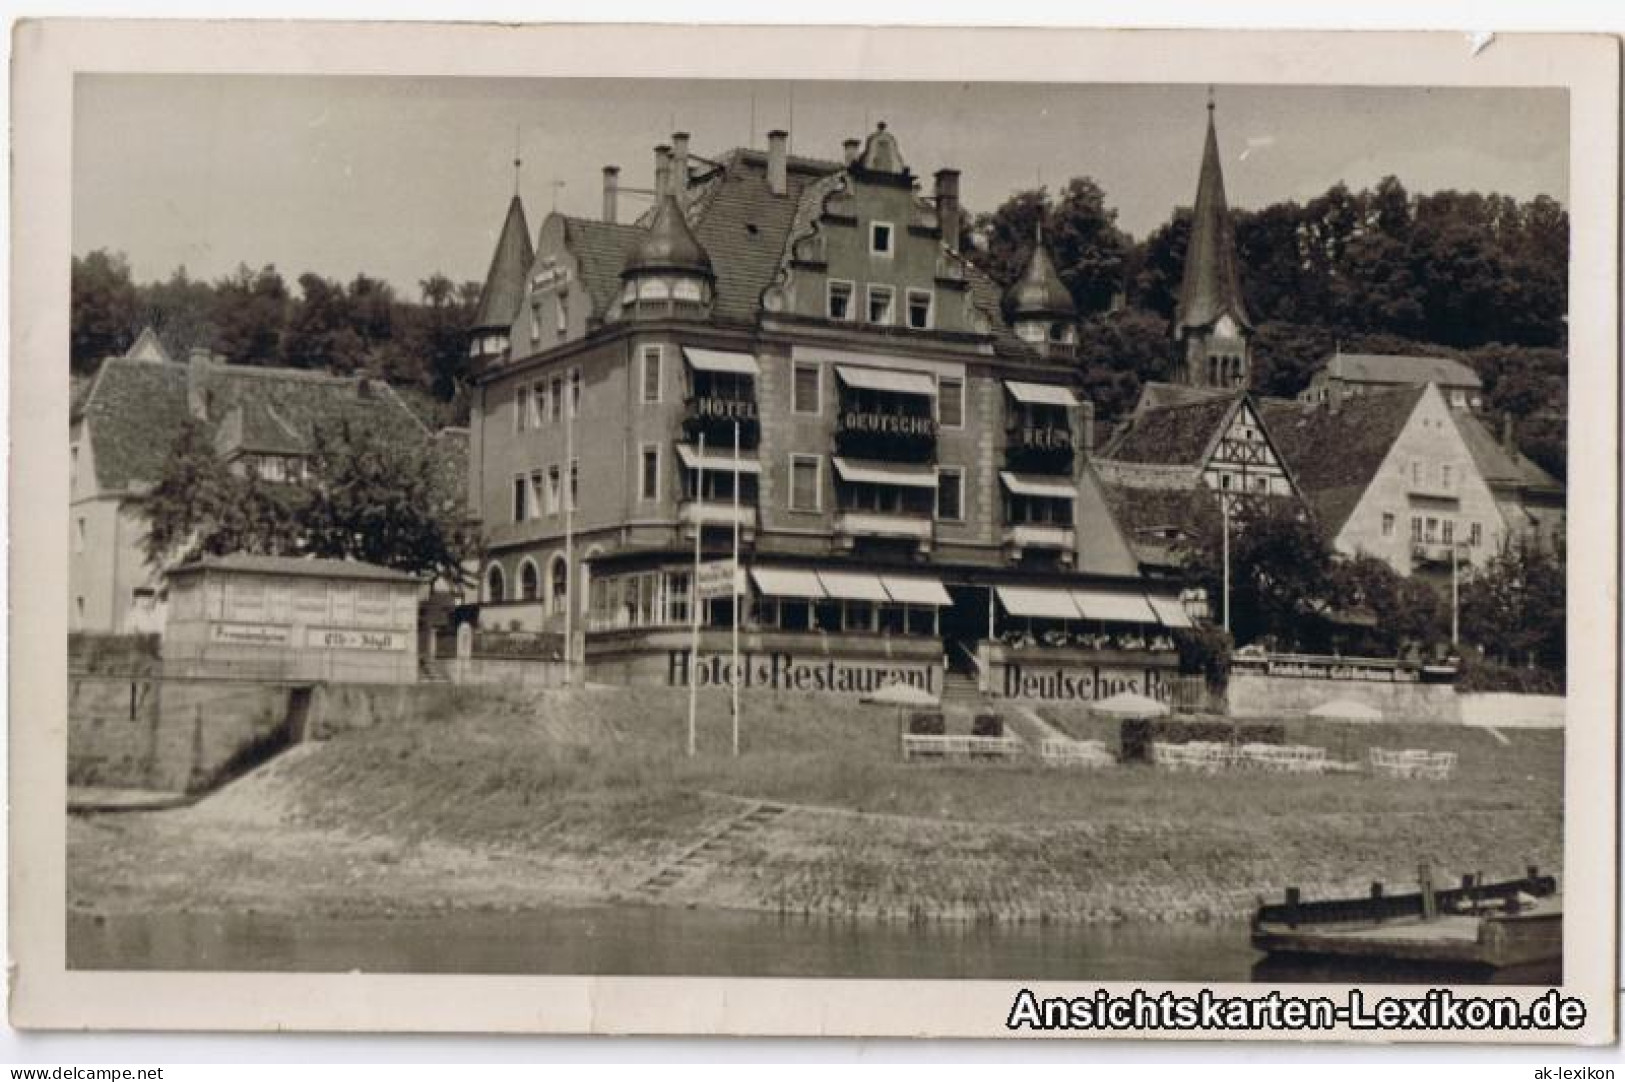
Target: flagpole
736	593
1224	503
569	528
694	598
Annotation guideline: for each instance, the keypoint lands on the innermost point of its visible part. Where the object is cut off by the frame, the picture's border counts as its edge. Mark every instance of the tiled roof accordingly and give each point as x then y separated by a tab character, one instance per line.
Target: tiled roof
601	250
353	570
1173	435
504	288
1396	368
1499	465
1335	450
1212	284
1156	395
1155	521
136	409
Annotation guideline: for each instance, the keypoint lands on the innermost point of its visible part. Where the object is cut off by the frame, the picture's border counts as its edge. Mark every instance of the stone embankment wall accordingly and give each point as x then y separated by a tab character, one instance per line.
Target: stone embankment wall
1255	695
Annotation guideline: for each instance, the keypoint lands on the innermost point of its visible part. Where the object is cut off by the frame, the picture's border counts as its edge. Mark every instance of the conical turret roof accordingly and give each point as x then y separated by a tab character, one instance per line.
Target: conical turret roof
504	288
669	245
1212	283
1039	293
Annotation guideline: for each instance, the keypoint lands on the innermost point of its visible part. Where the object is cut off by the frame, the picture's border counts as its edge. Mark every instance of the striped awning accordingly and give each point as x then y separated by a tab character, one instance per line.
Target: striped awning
885	473
886	379
913	590
714	461
1170	610
1040	394
1051	603
1029	485
853	585
787	582
1117	607
718	360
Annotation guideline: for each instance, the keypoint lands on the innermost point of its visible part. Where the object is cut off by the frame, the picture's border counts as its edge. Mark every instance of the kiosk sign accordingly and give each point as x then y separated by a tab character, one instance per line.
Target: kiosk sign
717	579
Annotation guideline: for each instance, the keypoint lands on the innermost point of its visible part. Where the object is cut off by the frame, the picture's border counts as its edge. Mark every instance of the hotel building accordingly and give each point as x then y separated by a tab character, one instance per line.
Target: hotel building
913	493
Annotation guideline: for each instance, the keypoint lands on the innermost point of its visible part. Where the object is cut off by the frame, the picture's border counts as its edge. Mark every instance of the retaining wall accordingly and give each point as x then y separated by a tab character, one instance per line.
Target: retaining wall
1507	710
1255	695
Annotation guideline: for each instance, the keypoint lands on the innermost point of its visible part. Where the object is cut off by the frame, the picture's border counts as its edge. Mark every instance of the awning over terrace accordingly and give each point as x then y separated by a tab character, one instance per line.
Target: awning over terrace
717	360
886	379
1170	610
1122	608
715	460
885	473
1027	485
1040	394
911	590
1046	603
853	585
783	582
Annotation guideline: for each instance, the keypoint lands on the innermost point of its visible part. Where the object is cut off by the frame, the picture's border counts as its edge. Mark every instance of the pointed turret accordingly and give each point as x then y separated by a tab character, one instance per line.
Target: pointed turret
504	288
1211	319
1039	306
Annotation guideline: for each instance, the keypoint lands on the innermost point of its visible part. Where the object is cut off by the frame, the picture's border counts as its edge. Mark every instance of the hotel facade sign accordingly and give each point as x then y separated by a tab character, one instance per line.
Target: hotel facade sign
783	671
1076	683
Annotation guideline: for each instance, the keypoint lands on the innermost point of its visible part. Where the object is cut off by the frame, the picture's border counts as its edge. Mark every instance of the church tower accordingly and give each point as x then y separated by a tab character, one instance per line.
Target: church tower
1211	322
504	289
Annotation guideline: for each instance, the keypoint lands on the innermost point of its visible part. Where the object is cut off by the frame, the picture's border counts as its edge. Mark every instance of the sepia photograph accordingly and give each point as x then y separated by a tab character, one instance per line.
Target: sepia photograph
1064	529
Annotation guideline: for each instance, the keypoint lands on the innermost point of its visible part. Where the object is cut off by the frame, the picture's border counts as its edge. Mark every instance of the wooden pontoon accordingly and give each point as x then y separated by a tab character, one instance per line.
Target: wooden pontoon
1492	925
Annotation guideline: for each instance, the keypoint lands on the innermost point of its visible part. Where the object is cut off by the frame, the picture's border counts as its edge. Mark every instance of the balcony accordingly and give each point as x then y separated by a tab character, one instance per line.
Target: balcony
718	515
1431	553
1039	449
884	525
714	416
885	435
1020	538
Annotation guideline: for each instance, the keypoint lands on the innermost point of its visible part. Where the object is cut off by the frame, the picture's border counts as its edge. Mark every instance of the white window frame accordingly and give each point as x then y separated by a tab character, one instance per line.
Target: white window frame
521	404
555	489
561	314
658	352
572	486
644	495
930	308
869	292
555	392
535	321
952	379
958	473
538	479
891	239
818	483
851	299
572	389
818	388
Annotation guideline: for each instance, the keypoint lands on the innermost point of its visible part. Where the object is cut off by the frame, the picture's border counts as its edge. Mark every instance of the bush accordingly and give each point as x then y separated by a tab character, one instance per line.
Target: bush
100	652
1205	651
927	724
1478	673
987	725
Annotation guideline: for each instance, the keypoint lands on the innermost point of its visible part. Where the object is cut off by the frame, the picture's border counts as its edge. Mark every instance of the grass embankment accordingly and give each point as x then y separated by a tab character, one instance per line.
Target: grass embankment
548	798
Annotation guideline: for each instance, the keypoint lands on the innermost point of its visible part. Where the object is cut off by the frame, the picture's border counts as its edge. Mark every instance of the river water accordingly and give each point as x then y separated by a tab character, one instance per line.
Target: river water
661	941
658	941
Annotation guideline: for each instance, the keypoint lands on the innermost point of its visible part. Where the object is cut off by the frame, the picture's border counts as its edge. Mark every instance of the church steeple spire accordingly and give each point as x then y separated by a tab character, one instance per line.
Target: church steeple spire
504	285
1211	319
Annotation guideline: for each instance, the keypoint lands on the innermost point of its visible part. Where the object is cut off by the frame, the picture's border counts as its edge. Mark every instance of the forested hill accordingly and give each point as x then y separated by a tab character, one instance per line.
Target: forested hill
1482	278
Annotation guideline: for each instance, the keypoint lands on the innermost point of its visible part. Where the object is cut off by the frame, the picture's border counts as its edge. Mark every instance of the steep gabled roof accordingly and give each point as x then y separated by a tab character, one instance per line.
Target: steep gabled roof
132	414
1156	521
504	288
1397	368
1499	465
1335	450
1181	434
1104	546
1212	283
601	250
148	347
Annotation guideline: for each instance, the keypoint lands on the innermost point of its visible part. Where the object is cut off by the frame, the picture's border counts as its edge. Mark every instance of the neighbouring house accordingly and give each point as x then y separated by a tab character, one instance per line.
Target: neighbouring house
1389	474
124	425
293	619
913	482
1534	504
1347	374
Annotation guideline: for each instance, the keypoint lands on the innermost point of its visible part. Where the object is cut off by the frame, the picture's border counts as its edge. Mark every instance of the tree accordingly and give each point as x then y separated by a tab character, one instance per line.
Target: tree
181	312
102	309
1514	608
1080	230
251	309
320	330
1280	569
189	500
386	503
1119	351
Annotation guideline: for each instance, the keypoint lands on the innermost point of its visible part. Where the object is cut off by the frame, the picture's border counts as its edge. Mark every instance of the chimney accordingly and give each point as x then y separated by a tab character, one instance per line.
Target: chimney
612	191
778	162
948	206
679	166
662	172
850	150
199	359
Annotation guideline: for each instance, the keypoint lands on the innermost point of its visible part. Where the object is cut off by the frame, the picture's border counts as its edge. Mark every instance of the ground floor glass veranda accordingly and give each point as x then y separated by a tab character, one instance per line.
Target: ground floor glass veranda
892	603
